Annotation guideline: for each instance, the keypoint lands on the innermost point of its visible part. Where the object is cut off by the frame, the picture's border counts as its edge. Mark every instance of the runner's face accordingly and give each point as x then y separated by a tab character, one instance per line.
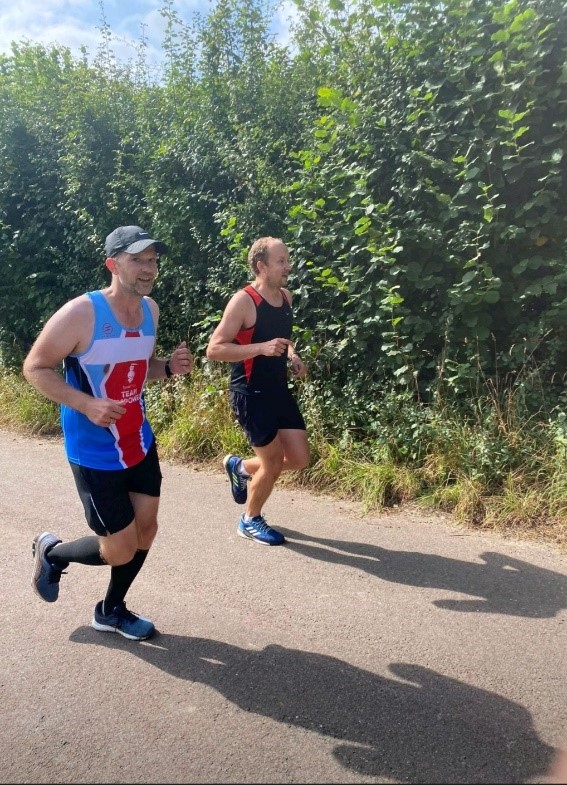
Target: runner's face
137	272
277	266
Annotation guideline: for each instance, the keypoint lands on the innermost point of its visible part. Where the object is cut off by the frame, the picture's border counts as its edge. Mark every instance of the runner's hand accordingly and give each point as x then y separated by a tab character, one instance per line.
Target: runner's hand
275	348
181	360
298	367
104	411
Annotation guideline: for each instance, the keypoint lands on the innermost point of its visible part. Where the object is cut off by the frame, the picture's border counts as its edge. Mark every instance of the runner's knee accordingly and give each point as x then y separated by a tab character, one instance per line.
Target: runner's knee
118	557
147	535
297	462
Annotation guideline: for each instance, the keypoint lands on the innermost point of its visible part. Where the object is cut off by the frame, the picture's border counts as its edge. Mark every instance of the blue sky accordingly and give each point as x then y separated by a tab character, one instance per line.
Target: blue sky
76	23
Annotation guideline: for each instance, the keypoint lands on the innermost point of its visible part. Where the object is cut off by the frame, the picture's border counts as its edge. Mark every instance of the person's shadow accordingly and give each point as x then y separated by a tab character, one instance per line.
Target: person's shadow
500	585
418	727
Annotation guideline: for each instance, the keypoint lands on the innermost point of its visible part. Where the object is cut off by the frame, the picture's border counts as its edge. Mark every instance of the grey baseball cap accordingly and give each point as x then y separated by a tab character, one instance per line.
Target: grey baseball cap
131	239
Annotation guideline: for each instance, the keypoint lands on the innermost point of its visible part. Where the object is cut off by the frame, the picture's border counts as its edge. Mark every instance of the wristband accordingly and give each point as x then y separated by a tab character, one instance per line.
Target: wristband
168	373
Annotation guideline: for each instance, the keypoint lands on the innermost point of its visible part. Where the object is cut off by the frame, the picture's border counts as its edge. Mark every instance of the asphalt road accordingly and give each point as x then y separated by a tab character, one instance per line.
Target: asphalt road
387	649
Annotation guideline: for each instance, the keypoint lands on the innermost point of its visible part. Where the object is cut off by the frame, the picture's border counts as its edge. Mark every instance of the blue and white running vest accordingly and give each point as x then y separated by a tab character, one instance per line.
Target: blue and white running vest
115	365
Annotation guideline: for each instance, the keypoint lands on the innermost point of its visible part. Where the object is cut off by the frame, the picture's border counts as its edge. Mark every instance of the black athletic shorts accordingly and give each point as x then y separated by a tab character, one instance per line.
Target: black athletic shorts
263	414
106	494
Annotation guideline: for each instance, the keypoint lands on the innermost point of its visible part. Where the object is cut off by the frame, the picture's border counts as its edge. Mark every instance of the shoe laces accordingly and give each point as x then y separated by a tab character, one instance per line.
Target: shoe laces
238	478
123	613
261	523
55	575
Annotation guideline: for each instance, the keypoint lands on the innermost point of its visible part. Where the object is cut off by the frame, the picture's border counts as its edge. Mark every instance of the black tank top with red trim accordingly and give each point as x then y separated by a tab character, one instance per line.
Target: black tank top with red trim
260	374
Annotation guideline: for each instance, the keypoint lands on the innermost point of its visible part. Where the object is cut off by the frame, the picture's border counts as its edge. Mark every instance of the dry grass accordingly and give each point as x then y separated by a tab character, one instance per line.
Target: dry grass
195	425
24	410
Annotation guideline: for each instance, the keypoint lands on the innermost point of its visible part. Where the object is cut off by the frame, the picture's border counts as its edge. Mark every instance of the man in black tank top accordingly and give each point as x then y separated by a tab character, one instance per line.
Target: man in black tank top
254	335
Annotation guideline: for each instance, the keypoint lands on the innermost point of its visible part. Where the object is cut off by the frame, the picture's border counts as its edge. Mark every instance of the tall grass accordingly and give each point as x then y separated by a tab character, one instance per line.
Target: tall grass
491	466
193	419
23	409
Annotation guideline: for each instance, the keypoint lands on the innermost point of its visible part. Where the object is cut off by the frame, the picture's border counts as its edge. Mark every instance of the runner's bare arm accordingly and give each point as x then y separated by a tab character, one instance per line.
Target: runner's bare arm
67	332
181	360
239	314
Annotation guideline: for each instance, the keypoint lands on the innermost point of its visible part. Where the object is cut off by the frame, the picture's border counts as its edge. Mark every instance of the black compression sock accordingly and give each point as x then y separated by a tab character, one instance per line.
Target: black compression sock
121	578
85	550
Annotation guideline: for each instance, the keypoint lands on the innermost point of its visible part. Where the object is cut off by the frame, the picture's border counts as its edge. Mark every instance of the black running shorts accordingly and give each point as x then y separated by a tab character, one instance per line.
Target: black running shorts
263	414
106	494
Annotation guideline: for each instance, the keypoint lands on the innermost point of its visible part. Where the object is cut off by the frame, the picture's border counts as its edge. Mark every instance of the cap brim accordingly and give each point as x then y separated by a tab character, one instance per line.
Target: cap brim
141	245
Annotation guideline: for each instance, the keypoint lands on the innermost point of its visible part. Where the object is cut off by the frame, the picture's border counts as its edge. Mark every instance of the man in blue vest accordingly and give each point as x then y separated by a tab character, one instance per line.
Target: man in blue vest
105	340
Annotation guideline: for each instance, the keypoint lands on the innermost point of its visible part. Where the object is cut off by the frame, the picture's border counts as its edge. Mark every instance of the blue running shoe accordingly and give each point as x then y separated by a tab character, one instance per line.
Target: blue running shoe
45	579
121	620
237	480
258	530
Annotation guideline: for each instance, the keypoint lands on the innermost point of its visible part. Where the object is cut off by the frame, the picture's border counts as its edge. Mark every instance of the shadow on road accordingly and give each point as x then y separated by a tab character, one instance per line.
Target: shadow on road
417	727
502	584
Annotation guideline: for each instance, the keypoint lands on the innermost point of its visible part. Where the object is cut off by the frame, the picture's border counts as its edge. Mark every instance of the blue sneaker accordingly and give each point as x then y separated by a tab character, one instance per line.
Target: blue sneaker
237	480
257	529
45	579
121	620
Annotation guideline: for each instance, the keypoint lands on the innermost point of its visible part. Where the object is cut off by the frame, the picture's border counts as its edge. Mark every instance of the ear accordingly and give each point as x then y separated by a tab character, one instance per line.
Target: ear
110	264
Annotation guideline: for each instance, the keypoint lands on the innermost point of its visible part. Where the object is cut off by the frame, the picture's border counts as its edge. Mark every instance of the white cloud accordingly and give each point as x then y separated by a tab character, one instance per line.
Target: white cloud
47	22
284	16
78	23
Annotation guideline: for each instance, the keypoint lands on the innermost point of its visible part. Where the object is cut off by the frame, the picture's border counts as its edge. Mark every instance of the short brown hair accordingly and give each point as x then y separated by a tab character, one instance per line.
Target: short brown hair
259	251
